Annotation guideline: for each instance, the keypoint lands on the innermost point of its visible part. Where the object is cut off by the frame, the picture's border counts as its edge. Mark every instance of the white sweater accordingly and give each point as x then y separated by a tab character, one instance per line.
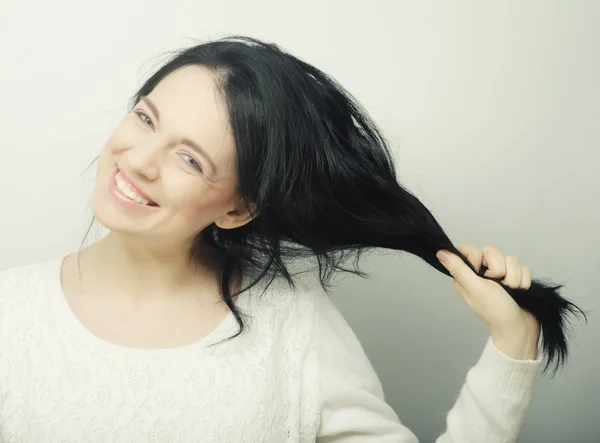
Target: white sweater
298	374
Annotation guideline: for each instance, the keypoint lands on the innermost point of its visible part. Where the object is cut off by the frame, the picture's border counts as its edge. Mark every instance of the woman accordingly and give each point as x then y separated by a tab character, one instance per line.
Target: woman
174	327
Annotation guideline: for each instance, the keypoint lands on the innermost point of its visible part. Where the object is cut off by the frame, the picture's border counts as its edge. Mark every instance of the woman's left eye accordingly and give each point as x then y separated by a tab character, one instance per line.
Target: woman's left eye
193	163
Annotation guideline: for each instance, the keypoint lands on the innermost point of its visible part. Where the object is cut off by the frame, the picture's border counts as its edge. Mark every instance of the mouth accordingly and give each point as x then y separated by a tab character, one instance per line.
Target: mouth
127	193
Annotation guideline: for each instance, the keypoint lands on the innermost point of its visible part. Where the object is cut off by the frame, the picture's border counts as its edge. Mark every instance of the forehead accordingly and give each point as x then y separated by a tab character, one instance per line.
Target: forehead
190	106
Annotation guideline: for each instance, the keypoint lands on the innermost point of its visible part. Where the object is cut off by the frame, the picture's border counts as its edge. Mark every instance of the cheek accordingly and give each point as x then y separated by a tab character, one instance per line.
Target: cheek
122	137
205	208
105	155
109	152
104	164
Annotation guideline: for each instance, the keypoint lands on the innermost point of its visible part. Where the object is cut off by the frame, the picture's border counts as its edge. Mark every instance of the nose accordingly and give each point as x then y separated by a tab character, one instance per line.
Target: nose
145	160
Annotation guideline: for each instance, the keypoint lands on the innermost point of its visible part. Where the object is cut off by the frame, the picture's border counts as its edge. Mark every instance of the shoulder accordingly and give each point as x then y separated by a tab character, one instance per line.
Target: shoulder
317	306
304	304
333	348
281	308
288	319
308	315
24	279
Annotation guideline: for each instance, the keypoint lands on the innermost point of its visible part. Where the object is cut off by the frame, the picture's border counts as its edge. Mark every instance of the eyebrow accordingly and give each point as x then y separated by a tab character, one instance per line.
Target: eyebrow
186	141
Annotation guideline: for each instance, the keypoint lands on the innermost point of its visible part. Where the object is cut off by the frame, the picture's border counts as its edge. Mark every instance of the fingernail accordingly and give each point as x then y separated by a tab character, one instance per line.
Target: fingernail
443	256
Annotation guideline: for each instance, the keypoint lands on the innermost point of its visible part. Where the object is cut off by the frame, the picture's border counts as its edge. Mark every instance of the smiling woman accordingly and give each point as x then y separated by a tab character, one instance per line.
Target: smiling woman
157	156
184	322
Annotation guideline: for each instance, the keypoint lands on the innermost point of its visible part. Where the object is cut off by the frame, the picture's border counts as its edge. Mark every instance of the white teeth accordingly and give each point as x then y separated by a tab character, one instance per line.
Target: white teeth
128	191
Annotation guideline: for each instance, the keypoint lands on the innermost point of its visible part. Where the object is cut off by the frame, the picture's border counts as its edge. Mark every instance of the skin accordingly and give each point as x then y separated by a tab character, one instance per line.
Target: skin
514	331
147	251
136	282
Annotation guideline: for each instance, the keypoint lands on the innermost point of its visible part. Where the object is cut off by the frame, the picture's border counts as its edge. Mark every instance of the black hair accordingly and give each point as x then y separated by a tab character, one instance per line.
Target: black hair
319	178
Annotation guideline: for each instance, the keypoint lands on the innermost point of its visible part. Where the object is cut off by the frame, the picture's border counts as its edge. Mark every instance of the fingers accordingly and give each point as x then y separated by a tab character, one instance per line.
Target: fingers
474	255
509	268
526	277
514	273
494	261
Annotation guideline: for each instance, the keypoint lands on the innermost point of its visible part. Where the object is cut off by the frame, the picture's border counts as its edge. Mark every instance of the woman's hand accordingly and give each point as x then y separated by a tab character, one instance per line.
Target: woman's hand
514	331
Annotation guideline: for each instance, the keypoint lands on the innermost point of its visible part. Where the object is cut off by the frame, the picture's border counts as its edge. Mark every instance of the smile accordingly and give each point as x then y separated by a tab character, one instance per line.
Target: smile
127	194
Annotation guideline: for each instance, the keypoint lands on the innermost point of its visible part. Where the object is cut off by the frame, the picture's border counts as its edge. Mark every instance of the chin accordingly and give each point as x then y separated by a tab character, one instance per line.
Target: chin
111	216
109	219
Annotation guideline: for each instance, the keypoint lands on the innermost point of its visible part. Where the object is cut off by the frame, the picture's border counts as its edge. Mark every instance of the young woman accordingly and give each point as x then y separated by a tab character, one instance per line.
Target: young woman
184	324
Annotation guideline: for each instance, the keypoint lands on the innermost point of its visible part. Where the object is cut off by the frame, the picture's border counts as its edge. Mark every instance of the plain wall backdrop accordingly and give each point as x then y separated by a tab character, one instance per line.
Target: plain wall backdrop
493	112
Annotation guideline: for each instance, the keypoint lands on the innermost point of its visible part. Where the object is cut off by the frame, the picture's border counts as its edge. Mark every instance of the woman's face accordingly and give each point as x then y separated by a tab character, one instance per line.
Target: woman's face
167	171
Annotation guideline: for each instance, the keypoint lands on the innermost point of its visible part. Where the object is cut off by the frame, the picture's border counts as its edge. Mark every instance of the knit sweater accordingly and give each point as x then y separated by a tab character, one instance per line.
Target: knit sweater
298	374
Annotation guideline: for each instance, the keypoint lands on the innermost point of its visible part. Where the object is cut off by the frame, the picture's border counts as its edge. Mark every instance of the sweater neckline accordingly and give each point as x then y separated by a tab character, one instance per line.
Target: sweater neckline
69	321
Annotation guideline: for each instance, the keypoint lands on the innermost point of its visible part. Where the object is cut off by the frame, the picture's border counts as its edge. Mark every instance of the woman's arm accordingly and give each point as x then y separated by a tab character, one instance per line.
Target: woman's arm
491	406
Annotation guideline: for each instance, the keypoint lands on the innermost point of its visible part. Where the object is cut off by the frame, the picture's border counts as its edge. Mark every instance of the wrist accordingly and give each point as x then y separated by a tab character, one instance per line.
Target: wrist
517	346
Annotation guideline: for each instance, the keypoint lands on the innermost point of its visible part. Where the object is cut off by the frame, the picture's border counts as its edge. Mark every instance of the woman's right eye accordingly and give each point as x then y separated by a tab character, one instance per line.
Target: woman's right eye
144	118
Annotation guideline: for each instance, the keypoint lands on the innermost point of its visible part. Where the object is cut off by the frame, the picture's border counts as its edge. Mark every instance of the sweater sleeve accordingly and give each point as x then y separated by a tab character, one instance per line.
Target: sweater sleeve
491	406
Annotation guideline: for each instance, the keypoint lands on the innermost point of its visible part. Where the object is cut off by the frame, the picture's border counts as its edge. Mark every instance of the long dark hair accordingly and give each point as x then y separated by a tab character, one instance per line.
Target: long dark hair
320	177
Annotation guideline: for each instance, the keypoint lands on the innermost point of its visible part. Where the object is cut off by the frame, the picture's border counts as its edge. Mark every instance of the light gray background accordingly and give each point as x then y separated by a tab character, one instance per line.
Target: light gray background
493	111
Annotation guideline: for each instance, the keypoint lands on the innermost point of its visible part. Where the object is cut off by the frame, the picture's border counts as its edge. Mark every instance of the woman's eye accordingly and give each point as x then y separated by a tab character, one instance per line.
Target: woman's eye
143	117
192	162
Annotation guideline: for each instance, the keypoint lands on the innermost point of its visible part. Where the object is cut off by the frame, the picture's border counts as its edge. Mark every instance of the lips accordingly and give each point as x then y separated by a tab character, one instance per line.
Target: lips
135	186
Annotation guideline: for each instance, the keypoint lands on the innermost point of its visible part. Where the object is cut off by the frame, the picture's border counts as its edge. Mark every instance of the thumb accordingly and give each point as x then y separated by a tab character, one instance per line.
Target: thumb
459	270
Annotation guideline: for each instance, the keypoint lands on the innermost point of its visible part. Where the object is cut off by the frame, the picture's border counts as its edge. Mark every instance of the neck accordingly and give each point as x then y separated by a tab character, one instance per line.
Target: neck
131	266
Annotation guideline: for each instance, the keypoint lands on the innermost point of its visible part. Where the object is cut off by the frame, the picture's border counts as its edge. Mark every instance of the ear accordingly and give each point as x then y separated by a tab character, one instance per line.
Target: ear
237	217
